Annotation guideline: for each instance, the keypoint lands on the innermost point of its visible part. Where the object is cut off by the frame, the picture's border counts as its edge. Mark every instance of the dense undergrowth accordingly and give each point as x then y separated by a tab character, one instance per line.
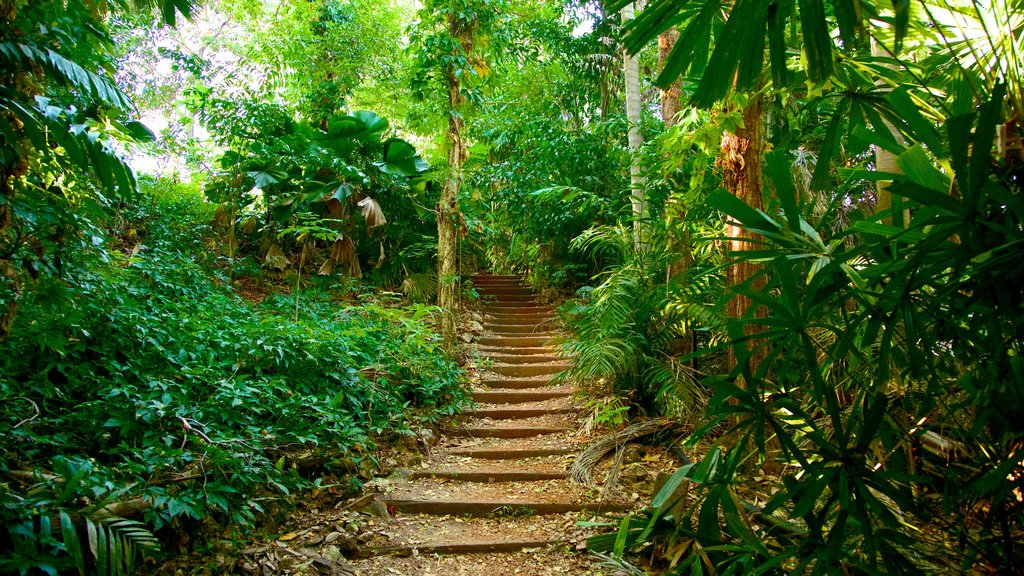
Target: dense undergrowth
142	382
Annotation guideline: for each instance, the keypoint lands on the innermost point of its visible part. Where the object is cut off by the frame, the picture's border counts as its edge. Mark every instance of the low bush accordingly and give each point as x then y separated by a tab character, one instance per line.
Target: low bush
145	377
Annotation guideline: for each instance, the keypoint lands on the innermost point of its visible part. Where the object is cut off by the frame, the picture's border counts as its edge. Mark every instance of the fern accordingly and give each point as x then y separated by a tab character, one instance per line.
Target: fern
624	333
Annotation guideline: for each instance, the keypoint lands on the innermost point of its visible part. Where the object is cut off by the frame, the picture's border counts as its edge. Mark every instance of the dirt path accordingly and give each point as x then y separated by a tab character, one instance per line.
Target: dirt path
493	497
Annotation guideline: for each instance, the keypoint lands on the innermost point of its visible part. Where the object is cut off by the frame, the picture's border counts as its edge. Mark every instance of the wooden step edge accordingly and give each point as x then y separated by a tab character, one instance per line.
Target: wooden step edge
496	384
514	413
522	432
491	476
498	507
487	350
454	549
517	397
524	358
509	453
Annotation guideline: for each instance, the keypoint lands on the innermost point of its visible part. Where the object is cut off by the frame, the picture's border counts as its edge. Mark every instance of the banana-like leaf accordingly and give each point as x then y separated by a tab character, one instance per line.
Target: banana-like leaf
400	158
371	212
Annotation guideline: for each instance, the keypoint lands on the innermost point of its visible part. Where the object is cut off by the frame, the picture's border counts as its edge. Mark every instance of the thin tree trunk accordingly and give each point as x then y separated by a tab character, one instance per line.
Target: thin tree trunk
448	208
741	161
631	74
885	161
670	104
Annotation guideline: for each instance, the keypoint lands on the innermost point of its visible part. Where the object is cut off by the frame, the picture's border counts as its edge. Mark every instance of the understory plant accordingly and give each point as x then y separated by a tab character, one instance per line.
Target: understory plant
629	330
182	402
881	383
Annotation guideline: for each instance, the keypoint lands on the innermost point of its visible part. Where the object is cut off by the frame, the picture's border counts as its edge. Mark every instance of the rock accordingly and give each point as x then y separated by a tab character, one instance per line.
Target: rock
400	475
427	436
476	317
378	509
466	337
476	327
332	537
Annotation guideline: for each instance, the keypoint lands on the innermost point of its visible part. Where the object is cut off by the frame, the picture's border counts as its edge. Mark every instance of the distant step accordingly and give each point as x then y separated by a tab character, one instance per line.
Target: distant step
516	350
513	413
490	475
532	341
529	369
520	397
497	507
519	432
518	329
535	320
516	383
509	453
524	358
520	309
458	548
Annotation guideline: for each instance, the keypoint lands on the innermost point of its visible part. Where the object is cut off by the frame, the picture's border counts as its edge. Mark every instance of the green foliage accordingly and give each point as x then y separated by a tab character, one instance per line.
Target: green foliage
278	170
45	532
625	329
197	402
883	382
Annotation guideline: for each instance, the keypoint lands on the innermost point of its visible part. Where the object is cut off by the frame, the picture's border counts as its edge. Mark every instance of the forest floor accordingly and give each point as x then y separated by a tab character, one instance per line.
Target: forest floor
491	495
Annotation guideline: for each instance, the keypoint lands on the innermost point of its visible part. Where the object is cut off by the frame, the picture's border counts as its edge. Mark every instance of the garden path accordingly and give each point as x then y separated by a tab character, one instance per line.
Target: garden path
493	497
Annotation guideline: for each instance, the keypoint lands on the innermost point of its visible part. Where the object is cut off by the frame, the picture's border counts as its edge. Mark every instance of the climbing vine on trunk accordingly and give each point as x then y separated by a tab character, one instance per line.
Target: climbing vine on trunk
449	43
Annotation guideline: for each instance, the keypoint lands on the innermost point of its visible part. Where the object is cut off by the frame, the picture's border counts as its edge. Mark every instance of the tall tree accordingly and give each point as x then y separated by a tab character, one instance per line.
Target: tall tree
631	76
448	53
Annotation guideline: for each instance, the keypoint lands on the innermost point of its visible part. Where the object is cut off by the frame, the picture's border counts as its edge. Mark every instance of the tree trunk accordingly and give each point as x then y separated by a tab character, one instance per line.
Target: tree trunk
742	157
670	104
885	161
448	207
631	74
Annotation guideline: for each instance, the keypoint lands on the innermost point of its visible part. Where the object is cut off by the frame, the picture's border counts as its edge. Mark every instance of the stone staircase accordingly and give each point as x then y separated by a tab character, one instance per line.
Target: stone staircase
494	498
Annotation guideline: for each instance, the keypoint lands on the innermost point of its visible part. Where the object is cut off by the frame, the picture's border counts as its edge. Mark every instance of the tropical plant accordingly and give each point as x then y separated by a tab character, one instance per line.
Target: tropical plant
626	329
872	392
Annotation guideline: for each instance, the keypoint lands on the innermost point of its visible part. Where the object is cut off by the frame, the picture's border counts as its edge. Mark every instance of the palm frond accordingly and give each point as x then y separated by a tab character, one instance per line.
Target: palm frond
28	57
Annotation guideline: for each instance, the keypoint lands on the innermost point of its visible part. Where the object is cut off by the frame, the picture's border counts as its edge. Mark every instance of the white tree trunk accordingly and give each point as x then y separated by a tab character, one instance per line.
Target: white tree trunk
631	73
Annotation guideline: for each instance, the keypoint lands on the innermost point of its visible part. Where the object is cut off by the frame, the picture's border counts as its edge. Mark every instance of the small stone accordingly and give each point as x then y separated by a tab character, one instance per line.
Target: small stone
400	474
466	337
378	509
332	537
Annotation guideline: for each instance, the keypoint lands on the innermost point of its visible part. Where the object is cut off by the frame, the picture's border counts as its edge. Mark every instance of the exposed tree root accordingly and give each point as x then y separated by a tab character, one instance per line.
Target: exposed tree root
582	470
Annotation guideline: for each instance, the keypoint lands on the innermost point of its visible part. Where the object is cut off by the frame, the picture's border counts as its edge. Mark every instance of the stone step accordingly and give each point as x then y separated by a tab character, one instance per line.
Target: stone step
483	508
514	413
509	453
477	278
514	350
517	329
516	383
507	341
520	397
490	475
518	432
530	369
502	290
520	309
502	298
524	358
459	548
519	319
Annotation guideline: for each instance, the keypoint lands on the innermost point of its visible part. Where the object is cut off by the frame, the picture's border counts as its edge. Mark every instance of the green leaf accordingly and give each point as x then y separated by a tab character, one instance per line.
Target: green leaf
400	158
919	168
777	167
741	211
817	40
